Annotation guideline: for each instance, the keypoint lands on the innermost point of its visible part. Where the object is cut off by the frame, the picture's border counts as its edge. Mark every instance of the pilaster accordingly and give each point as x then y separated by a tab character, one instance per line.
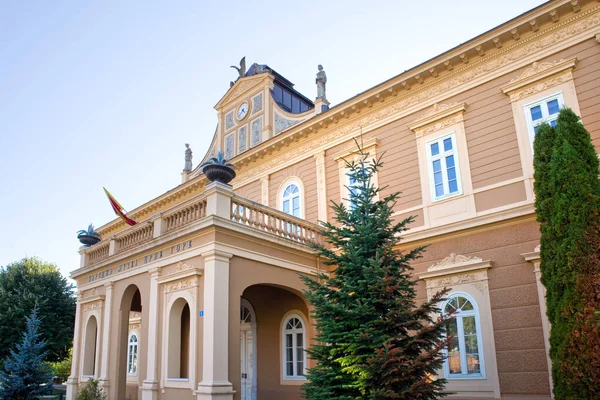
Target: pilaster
534	258
215	351
73	381
104	382
150	384
321	187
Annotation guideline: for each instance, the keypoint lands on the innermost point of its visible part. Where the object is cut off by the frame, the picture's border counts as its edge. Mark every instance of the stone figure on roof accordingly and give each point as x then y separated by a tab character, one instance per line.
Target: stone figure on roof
242	68
321	81
188	159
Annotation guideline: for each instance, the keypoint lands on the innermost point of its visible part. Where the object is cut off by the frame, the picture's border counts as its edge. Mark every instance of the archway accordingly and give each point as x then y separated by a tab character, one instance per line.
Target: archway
90	347
130	315
264	309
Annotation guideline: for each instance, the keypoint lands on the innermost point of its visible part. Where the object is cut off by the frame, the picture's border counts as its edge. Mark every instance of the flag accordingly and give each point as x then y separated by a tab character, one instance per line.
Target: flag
119	210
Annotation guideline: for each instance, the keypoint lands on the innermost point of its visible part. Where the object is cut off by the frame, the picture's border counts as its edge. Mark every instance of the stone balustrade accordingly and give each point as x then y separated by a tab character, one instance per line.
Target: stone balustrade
266	219
219	201
138	234
184	214
97	252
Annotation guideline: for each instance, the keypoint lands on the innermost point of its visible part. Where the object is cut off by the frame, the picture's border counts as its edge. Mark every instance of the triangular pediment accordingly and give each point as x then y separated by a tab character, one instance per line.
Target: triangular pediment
241	86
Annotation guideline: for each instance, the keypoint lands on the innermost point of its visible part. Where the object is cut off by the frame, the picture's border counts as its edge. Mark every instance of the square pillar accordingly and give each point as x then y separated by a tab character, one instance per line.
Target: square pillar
215	351
73	381
218	199
106	336
150	384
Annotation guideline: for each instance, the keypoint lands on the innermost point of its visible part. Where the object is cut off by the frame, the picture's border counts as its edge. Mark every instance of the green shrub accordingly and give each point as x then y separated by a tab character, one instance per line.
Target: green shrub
91	391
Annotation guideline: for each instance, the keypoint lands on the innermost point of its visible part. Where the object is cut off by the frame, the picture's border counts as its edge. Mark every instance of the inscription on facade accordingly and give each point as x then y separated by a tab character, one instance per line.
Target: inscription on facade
148	258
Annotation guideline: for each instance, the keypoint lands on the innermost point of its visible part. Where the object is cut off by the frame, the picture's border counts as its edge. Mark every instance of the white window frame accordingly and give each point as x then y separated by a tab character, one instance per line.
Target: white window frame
442	157
130	360
461	340
531	125
283	198
284	332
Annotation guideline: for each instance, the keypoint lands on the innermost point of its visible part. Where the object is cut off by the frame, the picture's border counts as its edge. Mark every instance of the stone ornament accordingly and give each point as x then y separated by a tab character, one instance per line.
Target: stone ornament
282	123
454	259
321	81
188	159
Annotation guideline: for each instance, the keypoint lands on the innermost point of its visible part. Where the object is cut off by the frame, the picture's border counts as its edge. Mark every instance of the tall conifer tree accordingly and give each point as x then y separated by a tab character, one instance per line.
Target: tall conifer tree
25	375
374	341
568	206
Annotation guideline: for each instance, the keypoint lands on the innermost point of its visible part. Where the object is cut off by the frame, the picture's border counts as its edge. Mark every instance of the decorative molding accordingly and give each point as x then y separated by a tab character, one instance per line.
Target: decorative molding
455	264
349	150
257	103
559	32
439	116
181	284
96	305
282	123
453	259
181	266
568	31
521	87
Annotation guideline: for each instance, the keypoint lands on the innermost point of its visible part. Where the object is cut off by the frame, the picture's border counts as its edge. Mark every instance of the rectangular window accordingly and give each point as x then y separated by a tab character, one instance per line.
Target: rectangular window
544	110
229	146
444	174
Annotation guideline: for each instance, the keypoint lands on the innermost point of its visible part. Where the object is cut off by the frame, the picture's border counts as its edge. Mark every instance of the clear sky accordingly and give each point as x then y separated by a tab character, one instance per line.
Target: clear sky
106	93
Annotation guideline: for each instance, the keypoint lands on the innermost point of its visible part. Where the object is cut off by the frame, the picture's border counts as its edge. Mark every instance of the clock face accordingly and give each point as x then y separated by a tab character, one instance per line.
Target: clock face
242	111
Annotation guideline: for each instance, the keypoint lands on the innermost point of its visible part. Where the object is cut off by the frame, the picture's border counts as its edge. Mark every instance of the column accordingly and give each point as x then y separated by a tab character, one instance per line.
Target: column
215	351
73	381
534	257
106	336
321	187
150	384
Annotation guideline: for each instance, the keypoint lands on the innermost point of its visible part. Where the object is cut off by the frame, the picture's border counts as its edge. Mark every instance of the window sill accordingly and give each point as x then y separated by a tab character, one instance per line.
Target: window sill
466	377
292	381
439	200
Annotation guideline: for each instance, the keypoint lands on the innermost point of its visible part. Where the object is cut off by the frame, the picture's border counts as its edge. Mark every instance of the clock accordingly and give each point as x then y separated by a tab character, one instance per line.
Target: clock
242	110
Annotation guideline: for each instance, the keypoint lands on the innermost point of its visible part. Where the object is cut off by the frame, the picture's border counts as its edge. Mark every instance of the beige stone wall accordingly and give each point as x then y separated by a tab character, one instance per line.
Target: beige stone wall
520	351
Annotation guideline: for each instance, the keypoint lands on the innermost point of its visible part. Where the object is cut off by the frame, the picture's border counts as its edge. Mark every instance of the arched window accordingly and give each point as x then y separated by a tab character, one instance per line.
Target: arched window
465	351
179	340
132	355
89	349
294	344
291	201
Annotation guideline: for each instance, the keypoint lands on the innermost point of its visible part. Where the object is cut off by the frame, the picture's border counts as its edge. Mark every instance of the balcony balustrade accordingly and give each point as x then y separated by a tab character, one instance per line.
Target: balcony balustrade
217	200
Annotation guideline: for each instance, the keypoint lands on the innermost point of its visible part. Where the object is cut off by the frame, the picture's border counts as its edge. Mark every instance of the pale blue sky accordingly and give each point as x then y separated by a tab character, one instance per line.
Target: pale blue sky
106	93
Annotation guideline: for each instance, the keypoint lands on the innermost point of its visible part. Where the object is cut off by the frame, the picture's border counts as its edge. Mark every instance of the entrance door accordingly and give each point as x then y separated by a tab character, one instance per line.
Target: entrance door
247	352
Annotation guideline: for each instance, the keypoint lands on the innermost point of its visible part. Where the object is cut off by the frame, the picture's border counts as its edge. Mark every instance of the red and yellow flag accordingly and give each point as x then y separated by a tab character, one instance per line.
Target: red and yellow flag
118	208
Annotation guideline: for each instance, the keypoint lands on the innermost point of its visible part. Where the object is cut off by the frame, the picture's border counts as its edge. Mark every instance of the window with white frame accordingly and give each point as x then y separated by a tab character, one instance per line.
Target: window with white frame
464	350
294	343
544	110
290	200
132	355
444	173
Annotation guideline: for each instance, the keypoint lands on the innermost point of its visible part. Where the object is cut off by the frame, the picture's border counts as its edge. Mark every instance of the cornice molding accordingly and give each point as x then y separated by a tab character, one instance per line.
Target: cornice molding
438	117
366	144
539	71
455	264
509	49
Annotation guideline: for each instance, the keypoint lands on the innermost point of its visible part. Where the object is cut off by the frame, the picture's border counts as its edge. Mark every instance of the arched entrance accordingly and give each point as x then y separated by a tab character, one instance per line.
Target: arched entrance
248	351
129	357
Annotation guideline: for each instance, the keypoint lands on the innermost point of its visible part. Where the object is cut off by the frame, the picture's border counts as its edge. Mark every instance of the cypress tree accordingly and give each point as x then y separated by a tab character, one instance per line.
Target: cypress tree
373	340
568	205
25	375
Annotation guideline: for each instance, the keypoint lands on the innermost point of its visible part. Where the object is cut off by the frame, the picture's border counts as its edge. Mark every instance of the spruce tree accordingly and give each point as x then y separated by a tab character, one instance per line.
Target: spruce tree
26	375
373	340
568	206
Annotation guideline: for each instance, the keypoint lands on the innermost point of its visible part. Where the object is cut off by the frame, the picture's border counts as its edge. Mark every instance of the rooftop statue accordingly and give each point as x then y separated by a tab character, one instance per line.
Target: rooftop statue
188	159
321	81
242	69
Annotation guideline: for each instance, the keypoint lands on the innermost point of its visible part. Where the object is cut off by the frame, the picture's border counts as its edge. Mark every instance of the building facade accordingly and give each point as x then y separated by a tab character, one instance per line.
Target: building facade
202	298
